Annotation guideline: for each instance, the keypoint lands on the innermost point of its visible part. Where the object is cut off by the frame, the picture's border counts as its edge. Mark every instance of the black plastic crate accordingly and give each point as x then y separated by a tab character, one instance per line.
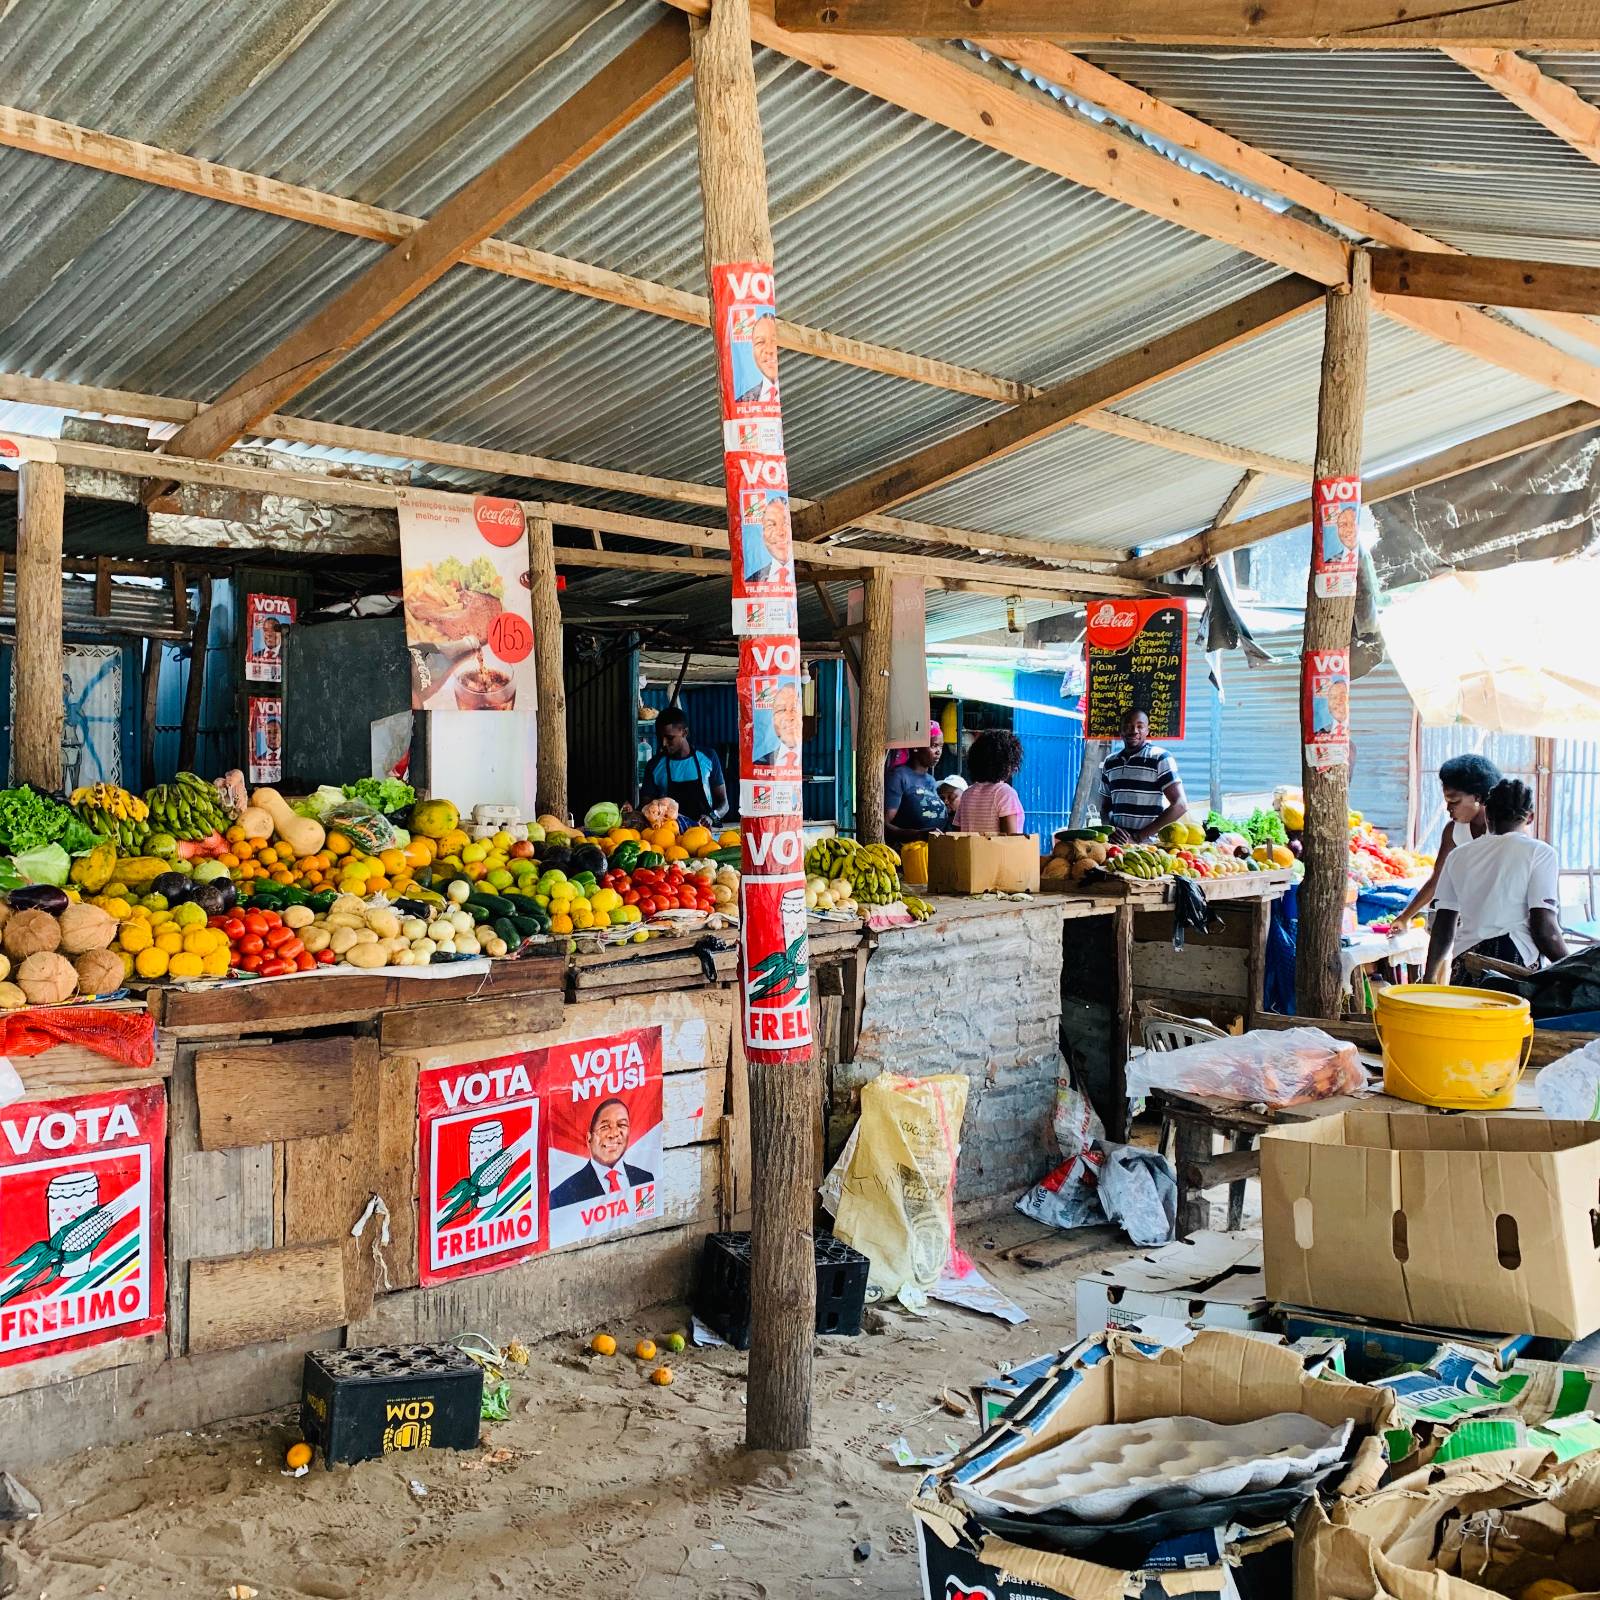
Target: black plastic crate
388	1399
722	1294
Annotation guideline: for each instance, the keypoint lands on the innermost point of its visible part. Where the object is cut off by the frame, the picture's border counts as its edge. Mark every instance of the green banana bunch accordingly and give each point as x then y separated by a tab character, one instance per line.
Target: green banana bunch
187	808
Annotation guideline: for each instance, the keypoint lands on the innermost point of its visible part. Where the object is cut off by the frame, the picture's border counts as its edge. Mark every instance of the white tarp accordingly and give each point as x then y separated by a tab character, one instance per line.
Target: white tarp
1511	650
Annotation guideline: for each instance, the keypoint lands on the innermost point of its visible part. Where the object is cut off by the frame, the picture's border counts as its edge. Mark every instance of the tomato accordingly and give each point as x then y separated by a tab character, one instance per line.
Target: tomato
326	958
674	875
644	876
305	961
279	936
256	922
274	919
276	968
250	963
252	945
290	949
666	901
705	880
233	927
630	896
647	908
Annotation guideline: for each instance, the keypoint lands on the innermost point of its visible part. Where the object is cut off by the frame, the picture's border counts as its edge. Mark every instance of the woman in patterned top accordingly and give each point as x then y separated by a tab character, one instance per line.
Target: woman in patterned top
990	804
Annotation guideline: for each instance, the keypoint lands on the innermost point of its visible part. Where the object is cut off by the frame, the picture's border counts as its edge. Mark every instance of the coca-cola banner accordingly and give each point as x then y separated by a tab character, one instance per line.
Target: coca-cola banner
1335	523
1325	707
1135	652
469	611
774	957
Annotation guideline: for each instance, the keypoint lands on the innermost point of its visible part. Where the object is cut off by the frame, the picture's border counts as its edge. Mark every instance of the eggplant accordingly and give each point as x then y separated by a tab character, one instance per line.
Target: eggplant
209	897
174	887
586	858
39	897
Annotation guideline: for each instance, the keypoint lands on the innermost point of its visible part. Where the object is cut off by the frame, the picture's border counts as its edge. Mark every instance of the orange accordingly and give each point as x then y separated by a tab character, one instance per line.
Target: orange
561	924
228	859
337	844
393	860
662	1376
645	1350
675	852
603	1345
234	834
299	1455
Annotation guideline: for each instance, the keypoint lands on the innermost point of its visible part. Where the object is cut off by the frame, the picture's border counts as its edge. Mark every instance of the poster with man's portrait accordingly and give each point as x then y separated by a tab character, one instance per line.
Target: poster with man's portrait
265	734
1325	707
1336	531
602	1100
266	616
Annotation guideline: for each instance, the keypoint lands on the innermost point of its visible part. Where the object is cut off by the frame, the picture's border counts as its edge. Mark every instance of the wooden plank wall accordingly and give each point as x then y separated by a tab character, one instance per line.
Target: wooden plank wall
1209	977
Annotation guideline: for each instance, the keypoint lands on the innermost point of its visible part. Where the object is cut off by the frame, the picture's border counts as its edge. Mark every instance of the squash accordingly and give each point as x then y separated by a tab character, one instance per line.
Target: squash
303	835
256	822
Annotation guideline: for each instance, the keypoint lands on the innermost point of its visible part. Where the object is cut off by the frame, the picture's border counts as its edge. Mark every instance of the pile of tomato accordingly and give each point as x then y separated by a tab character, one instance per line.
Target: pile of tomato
262	943
667	888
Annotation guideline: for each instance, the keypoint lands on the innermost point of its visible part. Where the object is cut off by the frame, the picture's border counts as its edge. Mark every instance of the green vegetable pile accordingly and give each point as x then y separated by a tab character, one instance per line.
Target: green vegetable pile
1265	827
30	821
382	794
1215	819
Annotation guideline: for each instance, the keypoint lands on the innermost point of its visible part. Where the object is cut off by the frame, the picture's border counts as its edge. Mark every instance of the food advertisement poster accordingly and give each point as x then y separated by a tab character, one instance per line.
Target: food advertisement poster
266	739
82	1222
478	1166
469	613
1325	707
774	956
603	1098
1135	651
266	616
771	727
1335	528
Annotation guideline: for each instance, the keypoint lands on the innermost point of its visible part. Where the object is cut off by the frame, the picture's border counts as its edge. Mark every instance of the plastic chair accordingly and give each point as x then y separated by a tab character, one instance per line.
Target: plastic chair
1166	1030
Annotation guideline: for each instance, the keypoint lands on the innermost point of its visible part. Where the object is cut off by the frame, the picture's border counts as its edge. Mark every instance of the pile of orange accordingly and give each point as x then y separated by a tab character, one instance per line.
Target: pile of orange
338	864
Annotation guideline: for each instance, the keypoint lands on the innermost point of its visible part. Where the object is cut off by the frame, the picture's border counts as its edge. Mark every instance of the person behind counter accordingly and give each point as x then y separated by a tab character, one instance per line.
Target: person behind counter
912	808
1466	782
1497	895
1140	790
692	777
990	804
951	790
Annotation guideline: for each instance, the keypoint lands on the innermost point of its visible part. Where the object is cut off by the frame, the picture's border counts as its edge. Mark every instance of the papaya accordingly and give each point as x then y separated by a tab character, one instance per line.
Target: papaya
433	819
139	872
94	870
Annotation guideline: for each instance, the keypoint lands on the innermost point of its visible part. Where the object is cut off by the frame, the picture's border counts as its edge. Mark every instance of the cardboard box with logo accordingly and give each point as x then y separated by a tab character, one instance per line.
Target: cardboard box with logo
974	863
1210	1280
1194	1550
1480	1223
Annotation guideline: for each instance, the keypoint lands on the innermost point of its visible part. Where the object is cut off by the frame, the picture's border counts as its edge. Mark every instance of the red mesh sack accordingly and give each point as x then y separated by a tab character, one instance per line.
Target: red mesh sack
125	1036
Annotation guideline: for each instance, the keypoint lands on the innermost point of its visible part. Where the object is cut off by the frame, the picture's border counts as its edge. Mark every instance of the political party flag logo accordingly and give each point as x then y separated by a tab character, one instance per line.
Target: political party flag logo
478	1161
604	1101
81	1222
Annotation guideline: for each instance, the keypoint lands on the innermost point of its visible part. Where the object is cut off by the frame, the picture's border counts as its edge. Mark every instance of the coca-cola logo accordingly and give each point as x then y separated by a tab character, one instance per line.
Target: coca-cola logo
1106	615
9	447
1112	625
499	521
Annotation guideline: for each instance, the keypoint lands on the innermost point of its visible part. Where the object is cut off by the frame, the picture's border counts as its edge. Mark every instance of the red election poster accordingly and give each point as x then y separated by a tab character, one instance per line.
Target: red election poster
266	739
1335	523
478	1166
774	957
605	1134
82	1222
1325	707
771	724
265	618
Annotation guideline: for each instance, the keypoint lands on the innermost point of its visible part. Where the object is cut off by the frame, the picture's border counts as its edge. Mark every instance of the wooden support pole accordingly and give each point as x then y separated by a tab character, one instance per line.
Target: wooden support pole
783	1095
194	690
40	702
873	737
147	712
550	779
1341	414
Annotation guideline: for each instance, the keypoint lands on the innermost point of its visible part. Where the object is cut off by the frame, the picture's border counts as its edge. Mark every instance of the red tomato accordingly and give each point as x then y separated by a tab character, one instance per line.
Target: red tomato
674	874
274	919
326	958
305	961
279	936
630	897
276	968
250	963
256	922
705	880
290	949
666	901
647	908
645	875
252	945
233	927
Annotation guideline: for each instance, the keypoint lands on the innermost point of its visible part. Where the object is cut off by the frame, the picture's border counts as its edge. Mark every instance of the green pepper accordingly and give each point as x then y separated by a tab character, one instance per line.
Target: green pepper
626	856
651	859
322	901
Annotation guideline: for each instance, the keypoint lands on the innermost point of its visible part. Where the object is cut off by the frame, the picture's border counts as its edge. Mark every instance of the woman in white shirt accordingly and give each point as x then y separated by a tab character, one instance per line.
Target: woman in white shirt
1497	895
1466	782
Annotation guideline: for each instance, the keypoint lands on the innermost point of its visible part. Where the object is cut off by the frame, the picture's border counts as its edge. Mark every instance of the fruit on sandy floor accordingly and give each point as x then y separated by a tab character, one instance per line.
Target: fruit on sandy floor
661	1376
603	1345
674	1342
299	1455
645	1349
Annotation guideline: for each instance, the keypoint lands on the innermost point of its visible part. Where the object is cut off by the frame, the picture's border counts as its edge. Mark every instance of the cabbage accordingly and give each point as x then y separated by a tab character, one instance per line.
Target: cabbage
602	817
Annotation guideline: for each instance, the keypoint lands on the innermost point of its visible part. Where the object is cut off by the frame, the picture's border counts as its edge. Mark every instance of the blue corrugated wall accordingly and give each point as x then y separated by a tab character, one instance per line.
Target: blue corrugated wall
220	742
1052	754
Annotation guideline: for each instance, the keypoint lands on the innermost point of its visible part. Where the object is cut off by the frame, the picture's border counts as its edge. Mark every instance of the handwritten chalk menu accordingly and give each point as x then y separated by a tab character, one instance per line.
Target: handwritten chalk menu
1135	652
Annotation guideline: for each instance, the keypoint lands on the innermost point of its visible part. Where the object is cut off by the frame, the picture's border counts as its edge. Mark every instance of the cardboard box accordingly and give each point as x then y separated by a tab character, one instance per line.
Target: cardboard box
1225	1377
1375	1349
1482	1223
1212	1280
974	863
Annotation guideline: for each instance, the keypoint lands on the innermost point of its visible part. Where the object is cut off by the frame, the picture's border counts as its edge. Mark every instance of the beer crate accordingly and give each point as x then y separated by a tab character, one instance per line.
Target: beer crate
388	1399
722	1293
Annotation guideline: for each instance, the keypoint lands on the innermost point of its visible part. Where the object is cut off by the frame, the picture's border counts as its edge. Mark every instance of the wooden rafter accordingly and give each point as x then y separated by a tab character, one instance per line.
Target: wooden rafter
1274	24
1480	452
102	152
1053	410
1547	100
645	72
1479	280
1122	99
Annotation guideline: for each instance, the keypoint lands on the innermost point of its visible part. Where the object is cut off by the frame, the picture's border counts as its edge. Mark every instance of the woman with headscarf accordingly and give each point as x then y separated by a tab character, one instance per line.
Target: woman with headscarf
1498	895
912	808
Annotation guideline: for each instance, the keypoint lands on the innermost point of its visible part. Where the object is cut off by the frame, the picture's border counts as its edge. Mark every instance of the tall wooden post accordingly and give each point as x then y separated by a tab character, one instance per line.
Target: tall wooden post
873	736
550	780
774	961
194	691
1330	614
40	700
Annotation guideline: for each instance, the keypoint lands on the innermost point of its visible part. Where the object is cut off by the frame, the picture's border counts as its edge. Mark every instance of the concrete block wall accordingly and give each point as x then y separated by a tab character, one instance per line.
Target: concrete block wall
978	995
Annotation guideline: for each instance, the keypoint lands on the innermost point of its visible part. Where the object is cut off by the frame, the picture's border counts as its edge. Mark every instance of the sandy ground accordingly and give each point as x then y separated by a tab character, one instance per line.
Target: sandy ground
600	1484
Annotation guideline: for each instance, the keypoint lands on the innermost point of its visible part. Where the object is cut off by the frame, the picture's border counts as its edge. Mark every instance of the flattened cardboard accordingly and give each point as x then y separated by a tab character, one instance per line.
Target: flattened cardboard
1211	1280
974	863
1477	1223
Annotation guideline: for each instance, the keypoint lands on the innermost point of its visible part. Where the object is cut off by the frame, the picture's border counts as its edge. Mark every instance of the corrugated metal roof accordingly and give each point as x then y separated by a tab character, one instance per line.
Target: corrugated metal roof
1407	131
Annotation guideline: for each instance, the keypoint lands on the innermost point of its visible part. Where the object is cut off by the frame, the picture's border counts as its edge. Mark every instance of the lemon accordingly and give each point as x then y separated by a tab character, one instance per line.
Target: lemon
674	1342
299	1455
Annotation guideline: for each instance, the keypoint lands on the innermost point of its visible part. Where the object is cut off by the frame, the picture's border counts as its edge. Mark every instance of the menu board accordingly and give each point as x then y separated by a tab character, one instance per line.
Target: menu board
1136	654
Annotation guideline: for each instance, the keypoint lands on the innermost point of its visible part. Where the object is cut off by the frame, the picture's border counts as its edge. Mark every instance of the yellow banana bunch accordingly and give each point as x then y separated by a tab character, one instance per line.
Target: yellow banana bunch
116	802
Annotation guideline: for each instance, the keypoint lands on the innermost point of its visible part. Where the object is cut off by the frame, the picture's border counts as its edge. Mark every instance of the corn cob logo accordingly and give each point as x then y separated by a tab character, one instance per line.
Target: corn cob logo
467	1196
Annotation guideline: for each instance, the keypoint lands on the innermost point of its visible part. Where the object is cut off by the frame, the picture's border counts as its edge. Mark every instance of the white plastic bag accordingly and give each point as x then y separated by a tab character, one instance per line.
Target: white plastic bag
1267	1066
1106	1182
1569	1089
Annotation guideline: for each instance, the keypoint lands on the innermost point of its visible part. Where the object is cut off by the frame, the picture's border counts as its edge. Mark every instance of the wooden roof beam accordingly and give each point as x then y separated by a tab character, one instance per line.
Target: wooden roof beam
1482	281
642	75
1480	452
1055	408
1547	100
1277	25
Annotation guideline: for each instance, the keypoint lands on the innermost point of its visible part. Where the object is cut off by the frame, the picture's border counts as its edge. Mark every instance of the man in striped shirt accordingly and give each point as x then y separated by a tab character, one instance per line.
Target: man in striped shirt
1140	790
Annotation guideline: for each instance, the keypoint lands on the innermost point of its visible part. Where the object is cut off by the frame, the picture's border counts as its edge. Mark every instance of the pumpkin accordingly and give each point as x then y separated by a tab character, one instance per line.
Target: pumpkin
256	822
303	835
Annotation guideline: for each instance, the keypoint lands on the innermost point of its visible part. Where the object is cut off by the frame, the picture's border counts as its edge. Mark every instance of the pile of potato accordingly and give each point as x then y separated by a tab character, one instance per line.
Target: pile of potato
379	936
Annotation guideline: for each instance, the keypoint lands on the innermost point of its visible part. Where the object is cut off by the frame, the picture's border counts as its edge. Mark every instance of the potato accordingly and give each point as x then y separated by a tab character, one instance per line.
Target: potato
11	997
364	936
316	938
413	928
461	921
341	940
349	905
371	955
383	922
298	916
402	958
345	919
496	947
442	929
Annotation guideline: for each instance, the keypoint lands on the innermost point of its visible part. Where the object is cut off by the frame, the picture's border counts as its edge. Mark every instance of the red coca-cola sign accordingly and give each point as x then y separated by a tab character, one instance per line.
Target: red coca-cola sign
1113	623
501	522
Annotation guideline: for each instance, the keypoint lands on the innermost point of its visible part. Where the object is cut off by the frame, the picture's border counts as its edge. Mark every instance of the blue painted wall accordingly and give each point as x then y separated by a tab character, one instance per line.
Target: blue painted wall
1052	754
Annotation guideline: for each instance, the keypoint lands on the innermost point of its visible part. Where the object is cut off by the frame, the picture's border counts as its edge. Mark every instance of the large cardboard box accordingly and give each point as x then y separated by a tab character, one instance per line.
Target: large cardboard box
1211	1280
1224	1377
1482	1223
974	863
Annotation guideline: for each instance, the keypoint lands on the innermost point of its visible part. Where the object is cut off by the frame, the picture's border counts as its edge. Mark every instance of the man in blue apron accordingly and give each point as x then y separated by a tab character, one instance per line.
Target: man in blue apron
691	777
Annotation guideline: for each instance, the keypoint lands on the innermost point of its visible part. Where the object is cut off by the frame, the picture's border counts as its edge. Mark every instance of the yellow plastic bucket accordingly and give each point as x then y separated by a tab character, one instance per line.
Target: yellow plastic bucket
1456	1048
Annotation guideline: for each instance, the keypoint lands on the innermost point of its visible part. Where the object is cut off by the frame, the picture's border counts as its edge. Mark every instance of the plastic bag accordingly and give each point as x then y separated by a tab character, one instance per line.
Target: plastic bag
895	1201
366	827
1074	1121
1106	1182
1265	1067
1569	1089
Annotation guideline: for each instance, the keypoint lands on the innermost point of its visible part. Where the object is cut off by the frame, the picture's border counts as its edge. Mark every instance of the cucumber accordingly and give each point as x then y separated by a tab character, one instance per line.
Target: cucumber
506	929
528	926
727	858
492	903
